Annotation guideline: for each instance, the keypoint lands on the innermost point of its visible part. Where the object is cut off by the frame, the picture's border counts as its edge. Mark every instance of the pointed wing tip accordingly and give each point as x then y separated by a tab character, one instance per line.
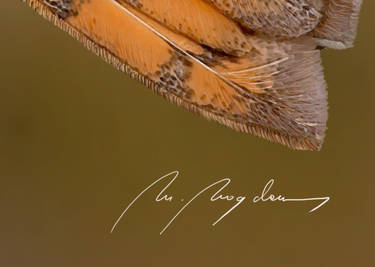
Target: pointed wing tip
293	142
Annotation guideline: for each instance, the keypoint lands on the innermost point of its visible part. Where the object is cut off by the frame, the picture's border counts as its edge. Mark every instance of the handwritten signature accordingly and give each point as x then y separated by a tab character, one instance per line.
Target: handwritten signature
222	184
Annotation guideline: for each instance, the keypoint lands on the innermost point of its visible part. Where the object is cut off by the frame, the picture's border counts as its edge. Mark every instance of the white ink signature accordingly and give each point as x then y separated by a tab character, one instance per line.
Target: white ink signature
222	184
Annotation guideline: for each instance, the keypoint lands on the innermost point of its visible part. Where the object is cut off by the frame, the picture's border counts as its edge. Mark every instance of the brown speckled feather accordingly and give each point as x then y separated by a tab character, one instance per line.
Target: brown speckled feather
276	18
338	26
207	62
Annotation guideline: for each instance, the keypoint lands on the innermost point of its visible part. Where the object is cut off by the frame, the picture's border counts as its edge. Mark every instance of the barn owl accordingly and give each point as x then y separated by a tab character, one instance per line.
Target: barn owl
252	65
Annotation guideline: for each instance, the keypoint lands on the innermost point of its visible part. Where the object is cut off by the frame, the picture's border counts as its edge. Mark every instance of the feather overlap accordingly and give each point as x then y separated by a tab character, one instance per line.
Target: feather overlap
261	75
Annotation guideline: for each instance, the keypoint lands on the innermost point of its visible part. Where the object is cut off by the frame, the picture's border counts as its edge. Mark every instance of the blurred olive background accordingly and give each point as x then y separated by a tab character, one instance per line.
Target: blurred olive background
79	140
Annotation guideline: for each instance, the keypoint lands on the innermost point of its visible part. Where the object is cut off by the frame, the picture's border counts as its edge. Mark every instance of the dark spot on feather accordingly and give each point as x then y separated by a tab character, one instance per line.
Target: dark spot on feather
173	75
64	8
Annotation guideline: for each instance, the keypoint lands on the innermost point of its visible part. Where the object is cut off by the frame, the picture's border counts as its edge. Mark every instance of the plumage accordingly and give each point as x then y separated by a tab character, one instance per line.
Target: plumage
200	21
277	18
230	61
338	27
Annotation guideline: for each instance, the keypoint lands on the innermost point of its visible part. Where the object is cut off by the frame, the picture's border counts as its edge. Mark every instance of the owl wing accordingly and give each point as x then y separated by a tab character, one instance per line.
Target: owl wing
198	57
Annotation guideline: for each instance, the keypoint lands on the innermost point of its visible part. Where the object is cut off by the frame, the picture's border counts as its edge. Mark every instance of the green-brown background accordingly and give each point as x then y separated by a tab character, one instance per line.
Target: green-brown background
79	140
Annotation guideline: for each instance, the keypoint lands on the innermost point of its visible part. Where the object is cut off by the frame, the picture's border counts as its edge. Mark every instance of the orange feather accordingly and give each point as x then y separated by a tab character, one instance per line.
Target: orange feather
251	80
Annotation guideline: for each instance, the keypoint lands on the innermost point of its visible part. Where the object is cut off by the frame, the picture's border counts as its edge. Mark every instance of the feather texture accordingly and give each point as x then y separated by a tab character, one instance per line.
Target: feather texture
200	22
338	27
277	18
204	61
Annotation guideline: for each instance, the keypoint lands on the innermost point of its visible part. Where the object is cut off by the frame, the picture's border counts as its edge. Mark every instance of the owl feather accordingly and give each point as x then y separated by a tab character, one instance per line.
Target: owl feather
251	65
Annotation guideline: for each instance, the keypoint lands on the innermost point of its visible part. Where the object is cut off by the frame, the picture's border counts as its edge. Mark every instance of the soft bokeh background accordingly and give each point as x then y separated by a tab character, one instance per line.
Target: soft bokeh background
79	140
